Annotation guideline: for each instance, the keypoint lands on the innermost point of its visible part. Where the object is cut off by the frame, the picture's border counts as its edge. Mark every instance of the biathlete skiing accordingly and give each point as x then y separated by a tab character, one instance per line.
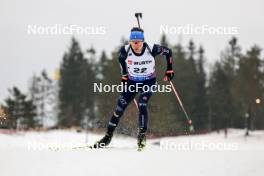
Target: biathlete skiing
137	61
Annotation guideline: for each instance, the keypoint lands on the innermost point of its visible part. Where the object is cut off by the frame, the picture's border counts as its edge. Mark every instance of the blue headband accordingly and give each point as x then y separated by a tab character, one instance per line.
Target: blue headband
136	35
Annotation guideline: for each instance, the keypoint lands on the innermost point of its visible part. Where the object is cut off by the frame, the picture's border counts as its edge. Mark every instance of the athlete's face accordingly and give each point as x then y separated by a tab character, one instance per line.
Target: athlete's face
137	46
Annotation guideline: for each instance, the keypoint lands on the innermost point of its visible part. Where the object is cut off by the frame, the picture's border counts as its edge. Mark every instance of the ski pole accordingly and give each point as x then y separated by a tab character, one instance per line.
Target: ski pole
189	121
135	102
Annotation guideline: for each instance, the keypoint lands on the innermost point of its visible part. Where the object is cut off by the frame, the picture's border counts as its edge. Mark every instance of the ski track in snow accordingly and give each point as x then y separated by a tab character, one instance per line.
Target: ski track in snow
30	154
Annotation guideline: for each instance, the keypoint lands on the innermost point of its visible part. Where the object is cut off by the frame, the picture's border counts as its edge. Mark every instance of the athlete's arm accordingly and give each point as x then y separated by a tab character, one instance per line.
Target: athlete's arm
122	60
165	51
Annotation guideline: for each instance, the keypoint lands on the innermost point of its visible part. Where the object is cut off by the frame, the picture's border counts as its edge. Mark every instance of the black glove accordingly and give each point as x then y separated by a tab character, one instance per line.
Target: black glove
168	75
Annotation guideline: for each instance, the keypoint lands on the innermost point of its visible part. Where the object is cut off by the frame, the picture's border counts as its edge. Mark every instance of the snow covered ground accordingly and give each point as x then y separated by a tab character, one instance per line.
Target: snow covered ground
36	154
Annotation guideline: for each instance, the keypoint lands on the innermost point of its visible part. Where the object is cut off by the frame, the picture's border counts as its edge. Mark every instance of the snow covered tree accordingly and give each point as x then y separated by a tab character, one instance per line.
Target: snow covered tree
42	91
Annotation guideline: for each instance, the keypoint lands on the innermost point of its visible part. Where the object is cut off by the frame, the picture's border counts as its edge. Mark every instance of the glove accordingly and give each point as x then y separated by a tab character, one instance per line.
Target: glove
124	79
168	75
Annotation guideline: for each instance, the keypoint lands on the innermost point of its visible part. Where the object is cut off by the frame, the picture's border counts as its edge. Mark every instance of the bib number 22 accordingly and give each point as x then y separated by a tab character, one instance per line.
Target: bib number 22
140	70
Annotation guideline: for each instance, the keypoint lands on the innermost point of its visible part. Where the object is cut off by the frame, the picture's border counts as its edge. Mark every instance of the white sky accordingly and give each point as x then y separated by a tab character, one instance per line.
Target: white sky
21	54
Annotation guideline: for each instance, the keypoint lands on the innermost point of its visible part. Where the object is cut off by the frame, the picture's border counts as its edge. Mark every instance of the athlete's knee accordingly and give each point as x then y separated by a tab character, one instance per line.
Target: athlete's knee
122	101
118	111
142	105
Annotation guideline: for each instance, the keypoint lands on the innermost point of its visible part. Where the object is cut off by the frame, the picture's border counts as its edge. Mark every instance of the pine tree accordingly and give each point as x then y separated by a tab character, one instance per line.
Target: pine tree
42	94
20	110
201	101
102	77
73	87
219	98
223	110
249	86
229	59
91	71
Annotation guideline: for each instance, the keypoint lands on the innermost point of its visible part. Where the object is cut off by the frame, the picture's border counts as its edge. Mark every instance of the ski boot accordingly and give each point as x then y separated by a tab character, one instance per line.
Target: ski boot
104	141
141	141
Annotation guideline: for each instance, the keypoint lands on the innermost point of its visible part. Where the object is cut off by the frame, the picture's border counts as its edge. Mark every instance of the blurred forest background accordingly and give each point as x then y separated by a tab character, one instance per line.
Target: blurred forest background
227	95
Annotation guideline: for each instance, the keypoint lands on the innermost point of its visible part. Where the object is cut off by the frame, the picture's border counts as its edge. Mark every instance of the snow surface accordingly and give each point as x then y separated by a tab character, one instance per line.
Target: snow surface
52	154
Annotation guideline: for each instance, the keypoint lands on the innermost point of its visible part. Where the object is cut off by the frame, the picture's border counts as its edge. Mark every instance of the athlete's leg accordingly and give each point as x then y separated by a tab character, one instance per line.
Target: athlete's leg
143	119
123	101
143	112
